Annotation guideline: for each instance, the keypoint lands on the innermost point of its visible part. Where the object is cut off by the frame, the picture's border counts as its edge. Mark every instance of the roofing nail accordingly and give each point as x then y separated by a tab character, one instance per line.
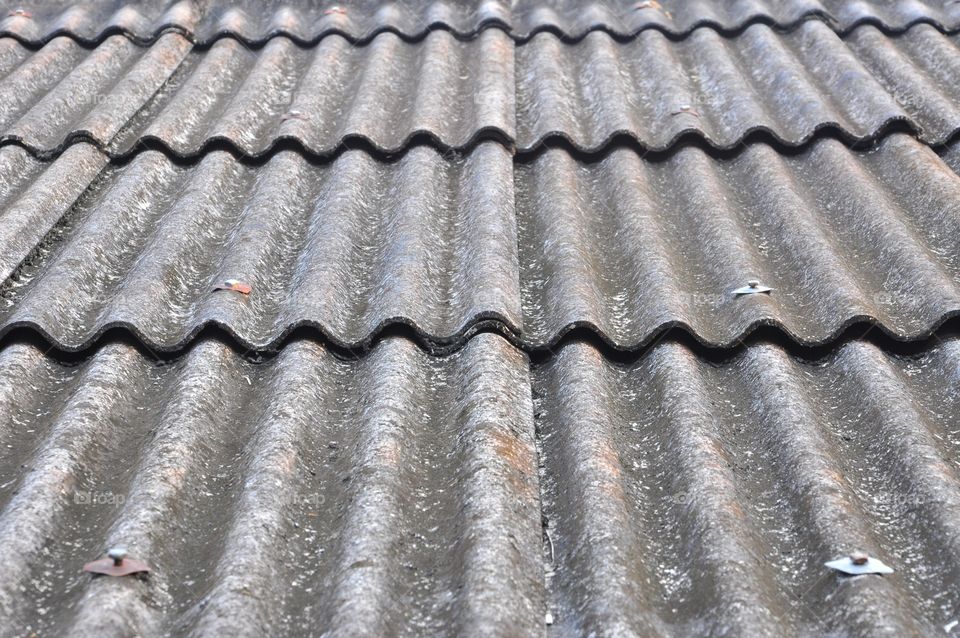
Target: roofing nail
685	109
20	13
332	10
647	4
116	564
858	563
293	115
234	285
753	287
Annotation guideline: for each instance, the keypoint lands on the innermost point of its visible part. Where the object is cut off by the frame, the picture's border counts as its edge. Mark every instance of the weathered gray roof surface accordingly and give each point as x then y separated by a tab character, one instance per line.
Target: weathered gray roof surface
490	374
693	497
255	21
398	492
619	245
786	87
392	494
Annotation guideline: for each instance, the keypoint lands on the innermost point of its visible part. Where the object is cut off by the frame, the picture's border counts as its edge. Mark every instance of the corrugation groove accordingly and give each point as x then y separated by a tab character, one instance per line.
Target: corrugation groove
454	94
687	497
397	492
255	22
621	246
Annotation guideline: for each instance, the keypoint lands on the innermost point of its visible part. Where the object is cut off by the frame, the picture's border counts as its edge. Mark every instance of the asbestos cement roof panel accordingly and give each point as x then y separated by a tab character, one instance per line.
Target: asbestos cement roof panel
624	246
254	21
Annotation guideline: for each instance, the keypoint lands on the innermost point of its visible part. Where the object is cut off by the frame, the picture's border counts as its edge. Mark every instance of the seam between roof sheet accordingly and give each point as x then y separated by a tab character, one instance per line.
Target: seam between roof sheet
464	35
685	139
858	331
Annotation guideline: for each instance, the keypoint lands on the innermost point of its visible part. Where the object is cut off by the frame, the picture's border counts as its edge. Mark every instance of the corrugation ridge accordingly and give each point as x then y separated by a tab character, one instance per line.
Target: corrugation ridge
54	473
276	491
196	428
792	435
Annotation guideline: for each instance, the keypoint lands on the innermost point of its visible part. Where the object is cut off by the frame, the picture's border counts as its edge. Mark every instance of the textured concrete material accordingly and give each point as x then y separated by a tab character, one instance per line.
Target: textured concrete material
451	93
255	21
494	318
391	495
626	247
692	497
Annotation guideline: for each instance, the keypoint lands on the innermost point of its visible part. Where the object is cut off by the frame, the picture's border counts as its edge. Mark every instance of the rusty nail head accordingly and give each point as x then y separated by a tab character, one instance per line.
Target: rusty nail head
859	558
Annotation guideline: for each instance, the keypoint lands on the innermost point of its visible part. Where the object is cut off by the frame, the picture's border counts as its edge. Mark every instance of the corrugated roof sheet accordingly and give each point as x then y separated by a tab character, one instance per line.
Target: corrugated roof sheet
254	21
348	246
723	89
395	494
323	97
455	443
452	92
398	492
62	92
621	245
35	196
692	497
632	248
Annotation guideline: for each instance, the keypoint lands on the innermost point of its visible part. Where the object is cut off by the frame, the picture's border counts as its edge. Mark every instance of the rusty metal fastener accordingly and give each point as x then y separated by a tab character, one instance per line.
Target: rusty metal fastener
332	10
685	109
859	564
234	285
116	564
753	287
858	558
647	4
20	13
